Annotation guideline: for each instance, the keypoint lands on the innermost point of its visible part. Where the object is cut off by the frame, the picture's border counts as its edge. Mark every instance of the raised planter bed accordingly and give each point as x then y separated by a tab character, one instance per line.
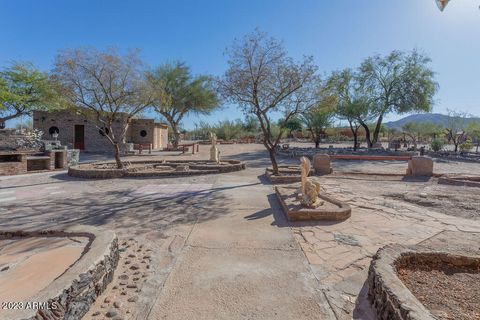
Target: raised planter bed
331	210
418	283
174	168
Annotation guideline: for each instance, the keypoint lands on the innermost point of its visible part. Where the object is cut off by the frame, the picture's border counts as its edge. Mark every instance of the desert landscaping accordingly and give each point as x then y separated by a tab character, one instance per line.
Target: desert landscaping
240	160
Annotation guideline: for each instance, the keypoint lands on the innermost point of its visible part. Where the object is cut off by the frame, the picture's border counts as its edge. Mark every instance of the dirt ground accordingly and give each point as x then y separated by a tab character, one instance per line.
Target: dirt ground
450	293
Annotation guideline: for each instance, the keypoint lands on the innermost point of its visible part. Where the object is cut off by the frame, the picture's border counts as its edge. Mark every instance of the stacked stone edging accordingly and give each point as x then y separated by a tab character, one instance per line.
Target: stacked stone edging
465	181
391	299
75	290
194	169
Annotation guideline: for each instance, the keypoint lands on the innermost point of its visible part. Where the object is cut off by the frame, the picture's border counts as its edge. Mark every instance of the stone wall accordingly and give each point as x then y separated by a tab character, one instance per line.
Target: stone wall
13	164
66	120
75	290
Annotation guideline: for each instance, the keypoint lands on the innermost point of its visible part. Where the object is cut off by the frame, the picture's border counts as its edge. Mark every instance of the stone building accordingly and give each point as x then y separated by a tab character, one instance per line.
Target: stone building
78	132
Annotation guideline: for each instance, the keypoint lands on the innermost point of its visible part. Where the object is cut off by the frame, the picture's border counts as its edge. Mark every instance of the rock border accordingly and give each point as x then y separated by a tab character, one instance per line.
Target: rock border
77	288
391	299
460	180
194	169
343	212
292	177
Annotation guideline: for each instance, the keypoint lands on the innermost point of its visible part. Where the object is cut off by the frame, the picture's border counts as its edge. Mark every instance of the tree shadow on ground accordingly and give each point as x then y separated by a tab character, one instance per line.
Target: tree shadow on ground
117	210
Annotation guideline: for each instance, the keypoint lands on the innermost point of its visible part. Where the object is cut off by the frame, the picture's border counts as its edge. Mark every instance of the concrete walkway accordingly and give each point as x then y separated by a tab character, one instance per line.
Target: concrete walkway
243	265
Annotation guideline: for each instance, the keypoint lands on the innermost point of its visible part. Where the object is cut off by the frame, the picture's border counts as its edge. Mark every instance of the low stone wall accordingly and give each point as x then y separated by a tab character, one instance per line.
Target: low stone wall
195	168
75	290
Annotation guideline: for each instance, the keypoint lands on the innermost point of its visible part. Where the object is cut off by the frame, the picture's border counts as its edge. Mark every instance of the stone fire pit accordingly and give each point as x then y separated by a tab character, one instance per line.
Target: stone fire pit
154	168
420	283
54	274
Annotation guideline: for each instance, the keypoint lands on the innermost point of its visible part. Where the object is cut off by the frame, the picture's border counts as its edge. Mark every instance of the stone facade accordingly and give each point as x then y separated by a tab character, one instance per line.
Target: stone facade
322	164
420	166
71	127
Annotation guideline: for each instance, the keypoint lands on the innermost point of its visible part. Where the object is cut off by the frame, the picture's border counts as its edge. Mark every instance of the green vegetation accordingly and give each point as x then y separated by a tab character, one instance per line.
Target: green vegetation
178	93
23	88
436	145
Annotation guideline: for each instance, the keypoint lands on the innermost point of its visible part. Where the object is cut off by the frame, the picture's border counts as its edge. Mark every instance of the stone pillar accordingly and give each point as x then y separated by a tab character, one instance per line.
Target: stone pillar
420	167
322	164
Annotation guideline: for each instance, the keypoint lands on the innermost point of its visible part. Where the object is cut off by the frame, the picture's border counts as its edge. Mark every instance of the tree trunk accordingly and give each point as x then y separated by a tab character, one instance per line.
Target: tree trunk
355	140
117	156
376	132
367	135
176	135
273	159
317	143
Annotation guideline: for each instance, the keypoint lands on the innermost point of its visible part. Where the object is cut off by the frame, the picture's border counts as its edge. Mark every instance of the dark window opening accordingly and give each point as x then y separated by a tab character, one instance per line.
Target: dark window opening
53	130
143	133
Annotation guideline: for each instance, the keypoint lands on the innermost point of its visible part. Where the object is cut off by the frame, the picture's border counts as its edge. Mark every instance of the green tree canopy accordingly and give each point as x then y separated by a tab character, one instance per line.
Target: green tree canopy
400	82
23	88
181	93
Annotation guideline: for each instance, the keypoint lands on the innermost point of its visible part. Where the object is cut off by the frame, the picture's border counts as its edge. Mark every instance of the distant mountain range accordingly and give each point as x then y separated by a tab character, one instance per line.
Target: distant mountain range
436	118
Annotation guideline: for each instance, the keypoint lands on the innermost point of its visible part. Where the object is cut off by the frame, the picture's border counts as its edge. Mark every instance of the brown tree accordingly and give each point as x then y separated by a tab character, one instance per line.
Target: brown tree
106	87
264	81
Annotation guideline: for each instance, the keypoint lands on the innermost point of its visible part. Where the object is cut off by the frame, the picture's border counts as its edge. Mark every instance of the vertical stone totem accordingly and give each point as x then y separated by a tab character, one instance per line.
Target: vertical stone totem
214	152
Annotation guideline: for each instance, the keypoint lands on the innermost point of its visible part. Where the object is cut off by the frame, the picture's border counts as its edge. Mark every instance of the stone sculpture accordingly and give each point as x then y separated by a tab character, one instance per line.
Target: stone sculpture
214	152
309	189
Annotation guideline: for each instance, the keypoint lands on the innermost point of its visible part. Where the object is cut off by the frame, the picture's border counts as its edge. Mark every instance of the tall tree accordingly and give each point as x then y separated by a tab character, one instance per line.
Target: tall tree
264	81
23	89
106	87
352	106
181	93
399	82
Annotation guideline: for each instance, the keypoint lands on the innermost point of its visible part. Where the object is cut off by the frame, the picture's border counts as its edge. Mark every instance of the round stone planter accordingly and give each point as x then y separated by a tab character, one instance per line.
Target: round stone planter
173	168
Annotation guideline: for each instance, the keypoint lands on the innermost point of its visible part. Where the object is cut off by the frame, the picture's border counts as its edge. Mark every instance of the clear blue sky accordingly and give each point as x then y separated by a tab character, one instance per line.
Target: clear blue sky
338	34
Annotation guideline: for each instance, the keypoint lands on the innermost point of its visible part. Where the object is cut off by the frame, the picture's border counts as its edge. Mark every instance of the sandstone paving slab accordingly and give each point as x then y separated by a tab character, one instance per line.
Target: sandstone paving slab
240	284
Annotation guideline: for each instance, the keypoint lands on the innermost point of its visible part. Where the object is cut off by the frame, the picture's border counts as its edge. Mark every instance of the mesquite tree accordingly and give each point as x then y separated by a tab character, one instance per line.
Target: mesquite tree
105	87
181	93
263	81
399	82
23	89
351	105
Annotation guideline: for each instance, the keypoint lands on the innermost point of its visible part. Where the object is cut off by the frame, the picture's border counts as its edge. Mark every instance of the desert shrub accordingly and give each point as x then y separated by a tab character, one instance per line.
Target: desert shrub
436	145
466	146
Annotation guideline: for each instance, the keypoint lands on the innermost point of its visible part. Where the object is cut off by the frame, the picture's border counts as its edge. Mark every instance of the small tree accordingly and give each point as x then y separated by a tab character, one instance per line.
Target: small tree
294	124
317	120
473	130
23	89
399	82
105	87
351	105
414	131
455	128
263	80
181	93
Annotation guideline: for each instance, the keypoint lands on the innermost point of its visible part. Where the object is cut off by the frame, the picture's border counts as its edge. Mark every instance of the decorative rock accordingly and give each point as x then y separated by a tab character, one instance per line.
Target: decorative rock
132	286
117	304
134	267
96	313
322	164
132	299
123	277
111	313
107	300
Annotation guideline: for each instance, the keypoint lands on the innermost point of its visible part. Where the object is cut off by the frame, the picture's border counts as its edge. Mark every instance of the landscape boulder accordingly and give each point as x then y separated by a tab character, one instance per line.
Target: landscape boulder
420	166
322	164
